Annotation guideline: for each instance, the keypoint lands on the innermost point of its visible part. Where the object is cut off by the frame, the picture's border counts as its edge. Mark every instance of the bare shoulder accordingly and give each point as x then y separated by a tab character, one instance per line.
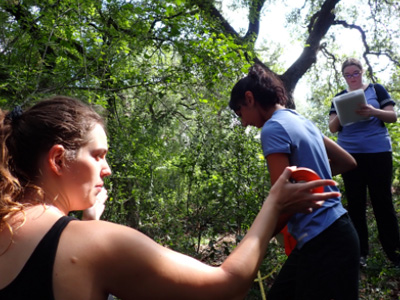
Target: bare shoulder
97	258
92	256
100	238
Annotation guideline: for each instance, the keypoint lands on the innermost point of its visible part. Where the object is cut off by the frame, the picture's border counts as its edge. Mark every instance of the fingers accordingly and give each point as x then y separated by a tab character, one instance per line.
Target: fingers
325	195
102	196
314	201
317	183
286	174
320	182
302	196
366	110
95	212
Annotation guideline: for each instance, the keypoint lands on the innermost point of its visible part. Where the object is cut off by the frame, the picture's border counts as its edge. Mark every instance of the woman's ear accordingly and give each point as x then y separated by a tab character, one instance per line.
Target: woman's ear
56	158
249	98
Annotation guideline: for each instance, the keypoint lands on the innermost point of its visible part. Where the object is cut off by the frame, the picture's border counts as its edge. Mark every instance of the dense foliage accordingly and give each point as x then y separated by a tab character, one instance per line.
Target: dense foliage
184	171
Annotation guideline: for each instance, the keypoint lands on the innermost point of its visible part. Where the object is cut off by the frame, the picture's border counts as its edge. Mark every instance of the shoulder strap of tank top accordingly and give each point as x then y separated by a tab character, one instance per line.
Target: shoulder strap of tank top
35	281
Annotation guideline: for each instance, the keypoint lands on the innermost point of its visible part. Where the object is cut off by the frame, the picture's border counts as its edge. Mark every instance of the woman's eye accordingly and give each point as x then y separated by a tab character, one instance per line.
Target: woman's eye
97	156
102	156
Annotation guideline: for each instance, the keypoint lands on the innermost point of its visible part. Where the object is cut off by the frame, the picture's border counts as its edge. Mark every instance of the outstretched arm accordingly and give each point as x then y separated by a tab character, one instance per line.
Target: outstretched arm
130	265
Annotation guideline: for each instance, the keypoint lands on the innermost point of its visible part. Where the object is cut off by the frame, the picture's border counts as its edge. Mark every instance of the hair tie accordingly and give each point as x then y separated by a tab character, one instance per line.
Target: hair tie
15	114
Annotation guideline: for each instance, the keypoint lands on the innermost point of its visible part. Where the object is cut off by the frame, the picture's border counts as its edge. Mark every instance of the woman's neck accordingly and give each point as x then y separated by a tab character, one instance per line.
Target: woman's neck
362	86
270	112
51	203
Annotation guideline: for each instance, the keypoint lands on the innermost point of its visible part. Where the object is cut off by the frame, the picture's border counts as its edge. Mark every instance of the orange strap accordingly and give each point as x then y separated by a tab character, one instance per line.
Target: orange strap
289	240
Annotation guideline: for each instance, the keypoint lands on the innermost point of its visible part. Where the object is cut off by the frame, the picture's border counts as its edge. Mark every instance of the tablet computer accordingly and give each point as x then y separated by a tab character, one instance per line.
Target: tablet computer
346	106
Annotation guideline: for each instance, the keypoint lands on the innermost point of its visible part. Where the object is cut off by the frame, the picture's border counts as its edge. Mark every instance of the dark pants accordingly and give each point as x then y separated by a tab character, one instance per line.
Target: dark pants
374	171
325	268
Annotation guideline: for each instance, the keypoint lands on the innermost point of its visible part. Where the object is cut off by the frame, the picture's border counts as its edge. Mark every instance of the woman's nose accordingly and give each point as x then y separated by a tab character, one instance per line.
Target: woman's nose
106	171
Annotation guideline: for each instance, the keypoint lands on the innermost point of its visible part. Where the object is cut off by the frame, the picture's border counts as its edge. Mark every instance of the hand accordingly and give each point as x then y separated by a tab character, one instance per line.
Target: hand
298	197
366	110
95	212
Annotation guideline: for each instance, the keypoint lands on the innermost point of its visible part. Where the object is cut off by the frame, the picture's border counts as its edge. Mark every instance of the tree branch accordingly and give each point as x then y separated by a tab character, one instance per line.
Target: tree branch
254	20
208	9
318	27
390	55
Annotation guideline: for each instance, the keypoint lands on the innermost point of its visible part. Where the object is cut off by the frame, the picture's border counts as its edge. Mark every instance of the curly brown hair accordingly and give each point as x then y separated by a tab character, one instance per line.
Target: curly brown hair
26	136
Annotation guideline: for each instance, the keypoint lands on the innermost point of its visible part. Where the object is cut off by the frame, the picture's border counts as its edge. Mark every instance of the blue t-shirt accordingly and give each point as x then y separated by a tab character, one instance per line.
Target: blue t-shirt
288	132
370	136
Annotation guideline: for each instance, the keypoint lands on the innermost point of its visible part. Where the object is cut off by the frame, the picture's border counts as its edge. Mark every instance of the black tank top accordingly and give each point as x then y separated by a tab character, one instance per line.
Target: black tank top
35	281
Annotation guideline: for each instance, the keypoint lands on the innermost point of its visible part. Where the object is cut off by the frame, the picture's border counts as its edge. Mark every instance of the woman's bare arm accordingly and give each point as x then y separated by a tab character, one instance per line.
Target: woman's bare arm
334	123
131	265
387	114
340	160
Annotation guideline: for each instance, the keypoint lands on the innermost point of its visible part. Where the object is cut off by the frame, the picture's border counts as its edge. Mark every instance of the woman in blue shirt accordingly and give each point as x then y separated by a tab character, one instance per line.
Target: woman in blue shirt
369	143
324	263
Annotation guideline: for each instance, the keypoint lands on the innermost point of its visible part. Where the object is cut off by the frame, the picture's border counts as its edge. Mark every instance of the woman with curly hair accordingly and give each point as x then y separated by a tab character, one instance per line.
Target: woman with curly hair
53	161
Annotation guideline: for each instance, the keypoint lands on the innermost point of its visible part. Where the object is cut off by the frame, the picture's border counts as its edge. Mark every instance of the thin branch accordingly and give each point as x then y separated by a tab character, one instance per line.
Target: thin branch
389	54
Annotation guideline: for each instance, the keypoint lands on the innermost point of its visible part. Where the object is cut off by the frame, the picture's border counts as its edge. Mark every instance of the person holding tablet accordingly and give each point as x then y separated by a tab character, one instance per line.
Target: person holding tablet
370	144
